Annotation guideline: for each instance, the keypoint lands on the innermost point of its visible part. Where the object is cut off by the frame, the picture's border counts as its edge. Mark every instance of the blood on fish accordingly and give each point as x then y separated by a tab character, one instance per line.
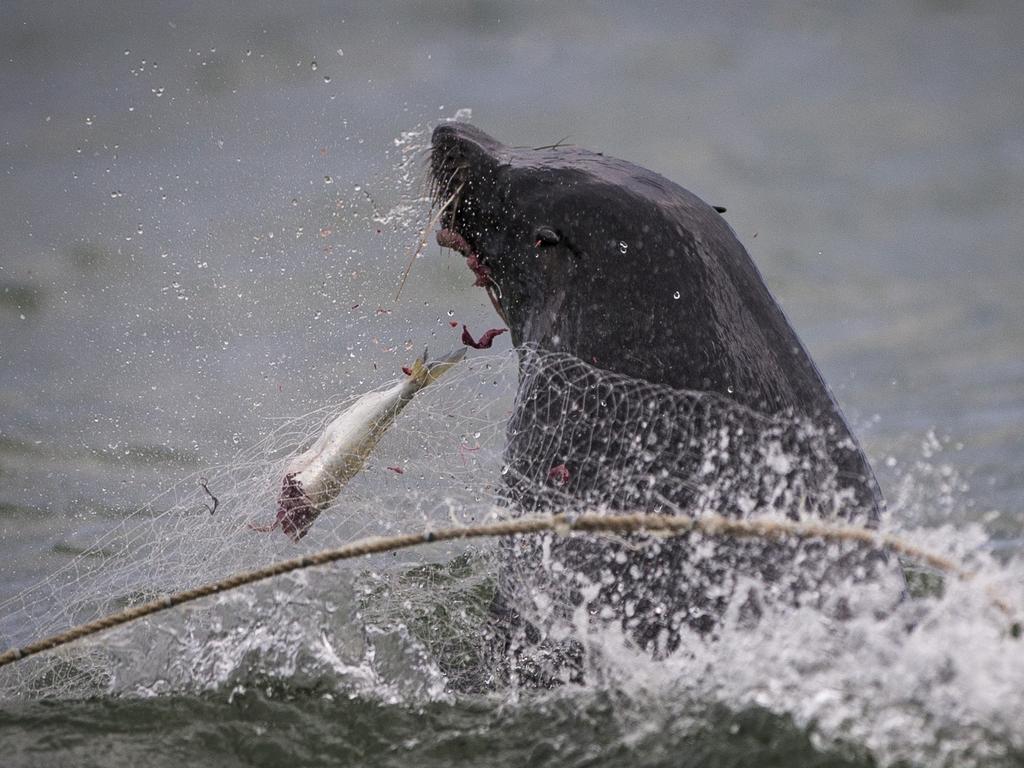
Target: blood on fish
295	512
485	340
407	370
314	478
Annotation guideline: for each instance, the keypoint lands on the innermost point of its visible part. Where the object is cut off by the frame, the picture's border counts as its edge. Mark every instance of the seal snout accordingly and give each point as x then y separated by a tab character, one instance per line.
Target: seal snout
448	134
464	162
460	150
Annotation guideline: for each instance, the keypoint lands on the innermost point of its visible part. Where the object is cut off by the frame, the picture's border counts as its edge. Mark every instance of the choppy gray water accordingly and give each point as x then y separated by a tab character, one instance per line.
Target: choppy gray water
195	241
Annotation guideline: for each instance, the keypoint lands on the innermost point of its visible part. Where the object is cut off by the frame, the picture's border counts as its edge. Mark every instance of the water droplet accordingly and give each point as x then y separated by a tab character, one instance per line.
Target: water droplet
127	52
623	246
340	52
327	78
314	66
328	180
676	295
451	313
88	120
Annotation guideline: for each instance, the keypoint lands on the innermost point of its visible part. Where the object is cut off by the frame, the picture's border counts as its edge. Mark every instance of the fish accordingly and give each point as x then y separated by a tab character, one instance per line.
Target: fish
315	478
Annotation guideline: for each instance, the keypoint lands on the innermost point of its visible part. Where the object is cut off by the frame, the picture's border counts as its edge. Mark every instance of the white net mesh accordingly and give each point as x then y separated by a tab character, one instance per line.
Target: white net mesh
598	609
424	471
799	628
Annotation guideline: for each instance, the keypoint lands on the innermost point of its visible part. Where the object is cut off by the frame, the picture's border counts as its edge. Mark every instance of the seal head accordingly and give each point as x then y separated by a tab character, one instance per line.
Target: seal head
613	264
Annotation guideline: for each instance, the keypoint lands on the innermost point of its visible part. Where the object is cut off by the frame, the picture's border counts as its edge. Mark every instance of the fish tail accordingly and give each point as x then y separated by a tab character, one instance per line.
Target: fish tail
423	373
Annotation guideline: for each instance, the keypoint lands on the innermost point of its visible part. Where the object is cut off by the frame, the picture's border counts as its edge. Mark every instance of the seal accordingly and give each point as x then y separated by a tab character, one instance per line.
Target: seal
616	271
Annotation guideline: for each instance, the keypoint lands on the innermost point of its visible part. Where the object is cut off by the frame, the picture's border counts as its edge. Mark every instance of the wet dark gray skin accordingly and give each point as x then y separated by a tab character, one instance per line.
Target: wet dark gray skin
620	268
609	262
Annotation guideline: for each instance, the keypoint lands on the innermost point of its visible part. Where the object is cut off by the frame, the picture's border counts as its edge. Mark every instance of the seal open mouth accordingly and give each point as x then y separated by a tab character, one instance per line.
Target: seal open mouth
449	238
452	182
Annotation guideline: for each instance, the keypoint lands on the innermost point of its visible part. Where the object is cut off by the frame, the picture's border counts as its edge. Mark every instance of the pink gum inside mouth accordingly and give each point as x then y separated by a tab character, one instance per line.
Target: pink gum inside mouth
448	238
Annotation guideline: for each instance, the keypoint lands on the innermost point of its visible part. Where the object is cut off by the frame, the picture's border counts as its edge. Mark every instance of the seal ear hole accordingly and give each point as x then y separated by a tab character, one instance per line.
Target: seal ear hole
545	235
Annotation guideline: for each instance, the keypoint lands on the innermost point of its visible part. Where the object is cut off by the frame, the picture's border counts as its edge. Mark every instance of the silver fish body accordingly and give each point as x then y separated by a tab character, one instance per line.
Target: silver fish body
313	479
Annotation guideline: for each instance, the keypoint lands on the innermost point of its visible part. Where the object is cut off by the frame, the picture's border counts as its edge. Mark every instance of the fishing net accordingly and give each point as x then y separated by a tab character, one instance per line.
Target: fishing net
796	626
501	436
433	468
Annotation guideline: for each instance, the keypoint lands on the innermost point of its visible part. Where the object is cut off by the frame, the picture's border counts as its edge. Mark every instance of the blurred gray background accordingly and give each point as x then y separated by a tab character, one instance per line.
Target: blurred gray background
192	195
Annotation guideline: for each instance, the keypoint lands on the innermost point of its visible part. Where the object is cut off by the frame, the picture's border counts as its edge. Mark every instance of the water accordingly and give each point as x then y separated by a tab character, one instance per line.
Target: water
175	273
568	728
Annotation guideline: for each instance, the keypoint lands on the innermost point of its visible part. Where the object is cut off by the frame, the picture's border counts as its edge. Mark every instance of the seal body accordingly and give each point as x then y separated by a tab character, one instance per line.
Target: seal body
620	275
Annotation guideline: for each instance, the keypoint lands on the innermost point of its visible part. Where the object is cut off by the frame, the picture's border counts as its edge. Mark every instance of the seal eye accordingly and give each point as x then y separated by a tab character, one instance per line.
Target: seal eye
545	236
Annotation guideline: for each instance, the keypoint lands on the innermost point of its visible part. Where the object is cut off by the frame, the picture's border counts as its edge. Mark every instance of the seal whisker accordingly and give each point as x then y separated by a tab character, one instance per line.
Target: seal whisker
453	177
444	190
455	207
556	145
423	241
438	165
667	296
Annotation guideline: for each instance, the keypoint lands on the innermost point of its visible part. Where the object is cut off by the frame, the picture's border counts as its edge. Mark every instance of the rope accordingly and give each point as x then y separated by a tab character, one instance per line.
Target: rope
672	525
